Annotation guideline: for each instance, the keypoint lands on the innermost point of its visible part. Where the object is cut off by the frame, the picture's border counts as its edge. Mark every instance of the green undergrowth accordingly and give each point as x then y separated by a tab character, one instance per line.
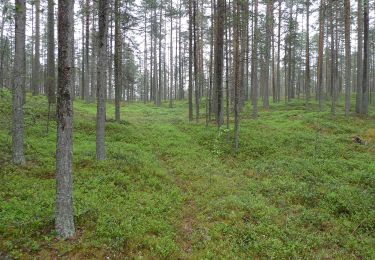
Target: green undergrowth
298	187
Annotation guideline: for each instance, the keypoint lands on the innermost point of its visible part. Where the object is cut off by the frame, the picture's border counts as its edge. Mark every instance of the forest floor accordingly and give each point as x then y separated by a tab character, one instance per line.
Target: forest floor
300	186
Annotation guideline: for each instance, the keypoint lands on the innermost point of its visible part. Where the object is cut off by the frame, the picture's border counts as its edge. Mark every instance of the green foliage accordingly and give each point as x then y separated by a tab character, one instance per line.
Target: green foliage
299	187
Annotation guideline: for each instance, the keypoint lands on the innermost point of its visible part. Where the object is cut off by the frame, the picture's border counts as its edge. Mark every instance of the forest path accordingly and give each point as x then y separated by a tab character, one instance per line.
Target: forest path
201	176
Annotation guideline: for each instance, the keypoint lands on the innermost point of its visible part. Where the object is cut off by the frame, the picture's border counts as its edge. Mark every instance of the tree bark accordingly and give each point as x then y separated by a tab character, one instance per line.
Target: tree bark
36	67
320	53
64	222
366	54
117	62
190	88
51	78
18	83
359	59
347	56
218	61
254	63
101	77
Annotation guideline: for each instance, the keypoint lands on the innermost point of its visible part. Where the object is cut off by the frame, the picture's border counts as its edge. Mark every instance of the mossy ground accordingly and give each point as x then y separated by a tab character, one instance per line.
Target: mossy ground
299	187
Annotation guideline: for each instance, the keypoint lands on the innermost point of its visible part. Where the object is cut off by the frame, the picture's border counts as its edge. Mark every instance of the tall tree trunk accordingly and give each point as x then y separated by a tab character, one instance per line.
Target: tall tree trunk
269	32
87	40
307	66
101	77
320	53
18	83
237	68
254	62
64	222
218	61
36	67
347	56
333	59
359	59
190	88
145	63
171	62
51	79
117	61
93	57
366	55
195	57
278	80
160	86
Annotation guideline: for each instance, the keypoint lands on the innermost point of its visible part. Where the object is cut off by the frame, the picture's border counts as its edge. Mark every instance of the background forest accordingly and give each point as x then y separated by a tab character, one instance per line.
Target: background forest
187	129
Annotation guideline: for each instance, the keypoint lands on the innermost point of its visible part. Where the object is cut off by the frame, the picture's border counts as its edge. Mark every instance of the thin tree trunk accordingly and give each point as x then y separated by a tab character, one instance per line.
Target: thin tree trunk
254	63
101	77
18	84
36	67
307	66
87	70
320	53
117	61
359	59
51	79
190	88
347	56
366	54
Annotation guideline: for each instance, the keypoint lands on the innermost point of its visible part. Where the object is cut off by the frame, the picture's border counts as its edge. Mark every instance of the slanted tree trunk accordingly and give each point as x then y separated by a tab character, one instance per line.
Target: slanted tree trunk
101	77
18	83
64	223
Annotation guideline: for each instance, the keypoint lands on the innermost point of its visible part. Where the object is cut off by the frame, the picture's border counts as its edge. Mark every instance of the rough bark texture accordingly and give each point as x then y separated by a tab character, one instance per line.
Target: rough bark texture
218	62
64	223
18	83
101	77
